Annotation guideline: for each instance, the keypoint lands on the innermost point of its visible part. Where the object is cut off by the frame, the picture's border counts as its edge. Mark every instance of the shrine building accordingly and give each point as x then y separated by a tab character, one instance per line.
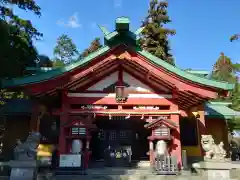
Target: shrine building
119	96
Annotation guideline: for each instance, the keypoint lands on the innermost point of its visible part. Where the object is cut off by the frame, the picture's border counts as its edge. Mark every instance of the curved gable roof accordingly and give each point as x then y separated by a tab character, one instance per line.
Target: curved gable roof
184	74
114	38
54	73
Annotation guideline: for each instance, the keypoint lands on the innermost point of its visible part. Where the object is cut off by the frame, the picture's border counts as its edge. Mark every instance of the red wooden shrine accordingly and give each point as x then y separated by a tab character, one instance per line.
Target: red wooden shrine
121	80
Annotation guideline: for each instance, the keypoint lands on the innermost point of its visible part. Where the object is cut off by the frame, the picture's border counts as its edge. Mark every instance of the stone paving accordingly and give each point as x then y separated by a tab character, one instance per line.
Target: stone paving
133	176
123	177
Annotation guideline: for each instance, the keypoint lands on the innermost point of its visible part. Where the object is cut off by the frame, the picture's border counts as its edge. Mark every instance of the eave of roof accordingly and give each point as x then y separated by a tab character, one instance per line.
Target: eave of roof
54	73
220	111
200	72
184	74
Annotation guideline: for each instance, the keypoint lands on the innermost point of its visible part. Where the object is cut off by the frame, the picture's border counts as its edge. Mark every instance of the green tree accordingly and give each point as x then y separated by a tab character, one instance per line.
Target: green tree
154	37
16	34
65	49
236	97
236	92
94	46
225	70
58	63
236	67
234	37
16	42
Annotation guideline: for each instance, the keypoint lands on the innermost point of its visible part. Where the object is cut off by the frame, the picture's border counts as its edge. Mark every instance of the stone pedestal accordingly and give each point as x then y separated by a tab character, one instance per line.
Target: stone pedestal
214	170
23	170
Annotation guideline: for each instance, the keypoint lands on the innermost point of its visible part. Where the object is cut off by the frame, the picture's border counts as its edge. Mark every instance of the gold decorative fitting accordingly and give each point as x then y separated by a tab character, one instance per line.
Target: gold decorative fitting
112	57
121	100
124	55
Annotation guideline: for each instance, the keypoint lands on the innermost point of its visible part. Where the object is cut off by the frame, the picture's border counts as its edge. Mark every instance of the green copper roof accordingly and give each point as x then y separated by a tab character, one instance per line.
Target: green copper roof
54	73
184	74
220	110
121	35
198	72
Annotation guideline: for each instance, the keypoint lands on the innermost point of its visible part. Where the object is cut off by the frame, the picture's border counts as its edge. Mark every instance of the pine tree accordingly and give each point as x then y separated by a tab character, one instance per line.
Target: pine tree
65	49
154	37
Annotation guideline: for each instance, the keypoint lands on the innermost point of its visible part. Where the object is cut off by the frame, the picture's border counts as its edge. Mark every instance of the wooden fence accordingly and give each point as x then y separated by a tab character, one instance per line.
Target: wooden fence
165	165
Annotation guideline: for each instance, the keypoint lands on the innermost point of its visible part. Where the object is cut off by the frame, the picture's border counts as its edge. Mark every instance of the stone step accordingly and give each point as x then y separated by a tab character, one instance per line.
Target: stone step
143	164
70	171
118	171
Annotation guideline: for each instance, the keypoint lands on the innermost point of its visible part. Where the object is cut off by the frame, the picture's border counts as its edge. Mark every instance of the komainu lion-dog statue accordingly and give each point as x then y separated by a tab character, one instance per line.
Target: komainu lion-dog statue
213	151
27	150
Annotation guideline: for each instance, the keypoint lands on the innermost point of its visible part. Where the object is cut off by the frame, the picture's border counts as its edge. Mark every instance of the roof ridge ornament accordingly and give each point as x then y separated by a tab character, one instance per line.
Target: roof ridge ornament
104	30
122	24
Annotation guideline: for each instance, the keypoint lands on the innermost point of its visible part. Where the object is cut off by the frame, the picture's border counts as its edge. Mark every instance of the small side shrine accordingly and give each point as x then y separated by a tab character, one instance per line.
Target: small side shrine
162	129
77	135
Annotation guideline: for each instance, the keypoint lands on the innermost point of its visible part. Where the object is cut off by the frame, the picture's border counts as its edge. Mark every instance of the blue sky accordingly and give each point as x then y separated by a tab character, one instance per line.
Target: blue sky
203	27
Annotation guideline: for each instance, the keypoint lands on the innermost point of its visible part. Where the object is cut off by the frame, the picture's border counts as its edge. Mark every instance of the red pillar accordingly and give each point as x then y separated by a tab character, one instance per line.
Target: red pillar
201	125
34	118
177	151
63	119
87	152
151	153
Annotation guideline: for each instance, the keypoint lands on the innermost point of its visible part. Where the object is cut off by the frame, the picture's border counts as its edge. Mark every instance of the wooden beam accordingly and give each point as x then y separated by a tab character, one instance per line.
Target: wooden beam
116	111
112	101
186	98
120	76
94	69
88	81
181	84
184	94
141	73
141	76
65	78
145	72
